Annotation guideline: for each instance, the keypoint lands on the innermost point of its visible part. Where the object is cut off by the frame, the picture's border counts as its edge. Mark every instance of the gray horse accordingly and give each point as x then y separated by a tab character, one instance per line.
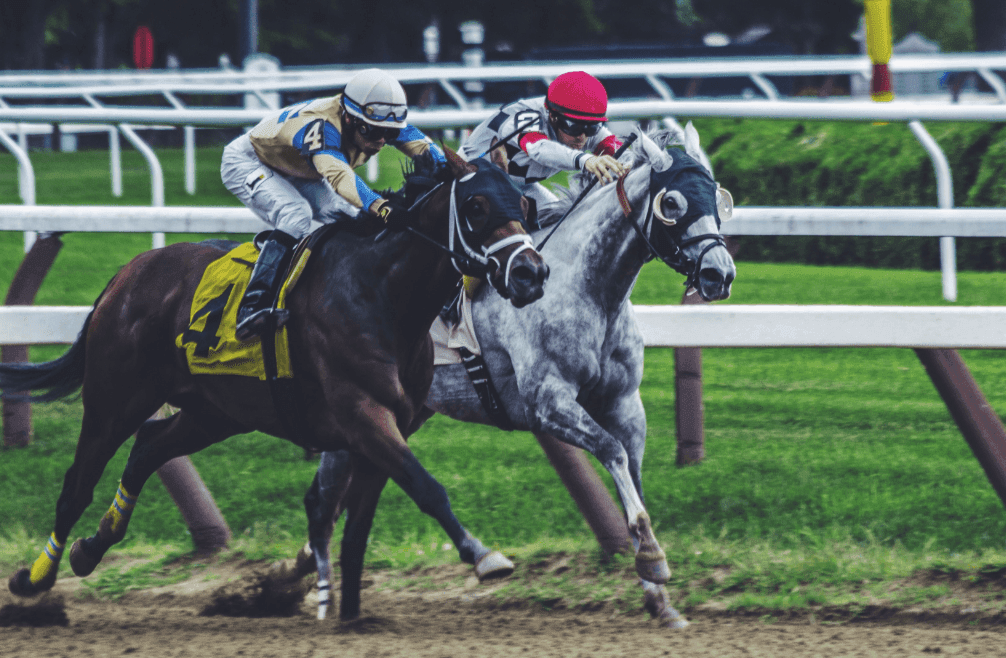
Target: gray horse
570	366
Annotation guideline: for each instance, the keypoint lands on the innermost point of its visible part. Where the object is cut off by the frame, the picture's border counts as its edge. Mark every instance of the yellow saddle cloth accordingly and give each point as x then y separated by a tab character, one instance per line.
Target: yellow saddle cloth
209	343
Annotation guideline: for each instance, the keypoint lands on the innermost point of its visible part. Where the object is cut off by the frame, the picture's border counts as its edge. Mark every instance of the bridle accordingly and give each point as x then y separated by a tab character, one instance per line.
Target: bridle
467	260
677	259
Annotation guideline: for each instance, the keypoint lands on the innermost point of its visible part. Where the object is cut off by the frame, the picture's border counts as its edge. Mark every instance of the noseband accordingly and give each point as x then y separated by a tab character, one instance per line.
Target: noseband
677	259
469	261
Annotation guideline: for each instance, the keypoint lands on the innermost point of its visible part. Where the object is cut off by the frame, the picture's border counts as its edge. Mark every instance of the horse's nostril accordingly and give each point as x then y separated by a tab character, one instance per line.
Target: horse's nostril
522	275
711	275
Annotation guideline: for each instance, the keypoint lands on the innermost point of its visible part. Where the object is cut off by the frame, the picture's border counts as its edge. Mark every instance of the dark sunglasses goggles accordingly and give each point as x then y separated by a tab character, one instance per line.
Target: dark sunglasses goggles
375	133
575	127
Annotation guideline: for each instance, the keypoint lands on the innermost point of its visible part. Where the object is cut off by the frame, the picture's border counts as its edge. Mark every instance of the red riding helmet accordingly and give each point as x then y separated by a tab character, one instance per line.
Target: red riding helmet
578	95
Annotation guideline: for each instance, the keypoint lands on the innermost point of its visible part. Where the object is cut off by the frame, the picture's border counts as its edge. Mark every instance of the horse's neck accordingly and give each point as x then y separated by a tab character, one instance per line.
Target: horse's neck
605	251
422	278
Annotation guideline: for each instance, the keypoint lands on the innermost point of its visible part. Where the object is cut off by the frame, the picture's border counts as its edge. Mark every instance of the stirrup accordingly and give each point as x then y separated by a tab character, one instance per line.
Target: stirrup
257	323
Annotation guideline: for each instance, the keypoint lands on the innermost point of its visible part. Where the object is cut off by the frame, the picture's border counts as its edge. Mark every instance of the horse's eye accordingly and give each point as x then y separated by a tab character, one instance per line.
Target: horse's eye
669	206
476	213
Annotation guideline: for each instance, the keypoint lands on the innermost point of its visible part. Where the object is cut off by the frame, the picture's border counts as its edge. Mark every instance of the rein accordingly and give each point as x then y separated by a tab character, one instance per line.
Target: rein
621	149
676	261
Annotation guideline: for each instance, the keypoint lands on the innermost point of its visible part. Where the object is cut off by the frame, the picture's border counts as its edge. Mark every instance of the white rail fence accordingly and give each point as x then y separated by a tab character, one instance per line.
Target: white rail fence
669	326
747	220
721	325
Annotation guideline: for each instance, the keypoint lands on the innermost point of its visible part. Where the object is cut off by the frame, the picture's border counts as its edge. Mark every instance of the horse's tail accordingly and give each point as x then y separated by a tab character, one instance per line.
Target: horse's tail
59	378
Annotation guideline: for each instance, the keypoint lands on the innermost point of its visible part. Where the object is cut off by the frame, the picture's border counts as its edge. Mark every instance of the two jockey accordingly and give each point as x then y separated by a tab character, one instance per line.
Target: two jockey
297	165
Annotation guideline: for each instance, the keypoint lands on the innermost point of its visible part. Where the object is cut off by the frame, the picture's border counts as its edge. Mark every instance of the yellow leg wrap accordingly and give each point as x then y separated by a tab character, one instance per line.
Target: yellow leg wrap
47	561
122	506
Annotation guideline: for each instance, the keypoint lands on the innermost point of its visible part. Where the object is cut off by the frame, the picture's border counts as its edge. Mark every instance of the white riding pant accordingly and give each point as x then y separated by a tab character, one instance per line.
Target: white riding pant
284	202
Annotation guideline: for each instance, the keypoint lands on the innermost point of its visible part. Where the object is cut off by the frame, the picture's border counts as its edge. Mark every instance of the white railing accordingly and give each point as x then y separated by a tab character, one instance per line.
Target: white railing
654	73
747	220
720	325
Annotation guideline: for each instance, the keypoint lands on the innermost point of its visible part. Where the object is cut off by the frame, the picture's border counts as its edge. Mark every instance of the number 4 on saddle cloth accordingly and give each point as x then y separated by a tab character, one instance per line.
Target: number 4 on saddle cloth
209	342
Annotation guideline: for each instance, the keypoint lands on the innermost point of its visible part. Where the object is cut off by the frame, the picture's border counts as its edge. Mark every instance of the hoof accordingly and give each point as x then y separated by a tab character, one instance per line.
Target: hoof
653	567
493	565
670	618
20	583
81	561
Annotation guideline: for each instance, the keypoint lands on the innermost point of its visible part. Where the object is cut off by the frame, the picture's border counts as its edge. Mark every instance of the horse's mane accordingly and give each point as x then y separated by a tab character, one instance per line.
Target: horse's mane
421	174
551	212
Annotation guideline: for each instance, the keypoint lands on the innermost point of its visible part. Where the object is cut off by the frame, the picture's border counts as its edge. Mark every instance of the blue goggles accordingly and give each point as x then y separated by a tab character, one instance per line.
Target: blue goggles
378	112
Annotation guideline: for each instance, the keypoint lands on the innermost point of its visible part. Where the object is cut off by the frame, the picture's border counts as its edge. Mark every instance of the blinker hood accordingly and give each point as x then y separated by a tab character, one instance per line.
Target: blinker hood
495	185
699	190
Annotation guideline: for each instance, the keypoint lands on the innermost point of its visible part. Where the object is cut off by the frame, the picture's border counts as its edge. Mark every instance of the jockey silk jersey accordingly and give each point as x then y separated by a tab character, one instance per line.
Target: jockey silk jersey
305	141
534	153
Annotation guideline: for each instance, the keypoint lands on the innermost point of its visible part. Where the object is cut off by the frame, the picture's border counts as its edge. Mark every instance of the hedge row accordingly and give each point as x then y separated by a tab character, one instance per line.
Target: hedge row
818	163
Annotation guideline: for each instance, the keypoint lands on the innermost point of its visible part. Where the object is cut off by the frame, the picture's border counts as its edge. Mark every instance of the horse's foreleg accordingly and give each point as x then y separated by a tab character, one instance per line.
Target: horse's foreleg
558	413
386	448
323	503
157	442
361	504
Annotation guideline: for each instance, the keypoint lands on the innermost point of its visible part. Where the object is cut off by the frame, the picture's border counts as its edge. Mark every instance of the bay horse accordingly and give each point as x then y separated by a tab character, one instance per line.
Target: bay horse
359	346
571	366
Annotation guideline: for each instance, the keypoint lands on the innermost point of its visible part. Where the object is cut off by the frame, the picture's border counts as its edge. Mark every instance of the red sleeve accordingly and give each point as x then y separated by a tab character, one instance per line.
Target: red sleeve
608	146
530	138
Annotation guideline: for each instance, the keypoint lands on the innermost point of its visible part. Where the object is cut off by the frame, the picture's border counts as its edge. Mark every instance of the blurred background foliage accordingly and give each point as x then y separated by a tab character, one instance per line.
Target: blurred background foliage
85	34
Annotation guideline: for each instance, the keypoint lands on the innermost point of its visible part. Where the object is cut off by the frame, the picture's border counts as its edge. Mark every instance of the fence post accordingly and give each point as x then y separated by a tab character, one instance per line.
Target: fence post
27	280
689	413
206	524
975	417
591	496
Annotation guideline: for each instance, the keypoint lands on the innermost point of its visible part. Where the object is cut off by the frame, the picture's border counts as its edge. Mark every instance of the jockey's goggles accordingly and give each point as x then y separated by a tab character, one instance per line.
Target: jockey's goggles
377	112
376	133
575	128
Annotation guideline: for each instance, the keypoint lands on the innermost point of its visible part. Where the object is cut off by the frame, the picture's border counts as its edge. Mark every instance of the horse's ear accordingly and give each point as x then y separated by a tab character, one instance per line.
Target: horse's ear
459	166
660	159
693	148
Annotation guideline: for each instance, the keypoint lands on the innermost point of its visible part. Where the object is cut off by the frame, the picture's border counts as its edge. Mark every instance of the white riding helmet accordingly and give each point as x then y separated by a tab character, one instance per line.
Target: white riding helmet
377	98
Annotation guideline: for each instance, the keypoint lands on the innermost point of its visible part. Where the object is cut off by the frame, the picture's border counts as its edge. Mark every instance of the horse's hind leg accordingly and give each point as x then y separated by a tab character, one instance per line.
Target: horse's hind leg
102	432
157	441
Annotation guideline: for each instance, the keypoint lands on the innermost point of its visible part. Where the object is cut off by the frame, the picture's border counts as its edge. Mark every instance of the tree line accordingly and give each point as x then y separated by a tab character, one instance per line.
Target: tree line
89	34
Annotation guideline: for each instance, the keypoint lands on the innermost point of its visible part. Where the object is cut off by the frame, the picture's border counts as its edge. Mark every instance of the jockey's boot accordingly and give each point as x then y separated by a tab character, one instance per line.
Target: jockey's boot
266	278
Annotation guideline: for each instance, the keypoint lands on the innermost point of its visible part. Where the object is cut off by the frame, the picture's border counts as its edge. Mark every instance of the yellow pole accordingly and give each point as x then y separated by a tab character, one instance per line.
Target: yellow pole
878	46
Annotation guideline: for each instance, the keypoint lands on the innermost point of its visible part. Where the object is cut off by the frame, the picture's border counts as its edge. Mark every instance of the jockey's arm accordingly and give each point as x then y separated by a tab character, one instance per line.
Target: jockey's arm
412	142
553	154
609	143
334	167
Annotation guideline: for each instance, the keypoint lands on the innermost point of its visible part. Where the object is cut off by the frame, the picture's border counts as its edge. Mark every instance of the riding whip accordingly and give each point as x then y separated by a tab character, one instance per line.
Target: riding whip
621	149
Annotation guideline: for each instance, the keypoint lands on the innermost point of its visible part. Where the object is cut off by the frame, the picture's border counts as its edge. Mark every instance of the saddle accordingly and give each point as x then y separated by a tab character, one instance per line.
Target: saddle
209	342
454	341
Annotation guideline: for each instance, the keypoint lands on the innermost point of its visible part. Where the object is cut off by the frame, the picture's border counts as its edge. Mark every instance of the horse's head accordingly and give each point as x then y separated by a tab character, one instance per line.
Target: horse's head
686	207
488	223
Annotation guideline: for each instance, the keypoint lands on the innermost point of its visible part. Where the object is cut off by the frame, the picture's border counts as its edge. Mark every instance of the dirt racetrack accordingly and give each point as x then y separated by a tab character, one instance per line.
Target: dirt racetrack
173	621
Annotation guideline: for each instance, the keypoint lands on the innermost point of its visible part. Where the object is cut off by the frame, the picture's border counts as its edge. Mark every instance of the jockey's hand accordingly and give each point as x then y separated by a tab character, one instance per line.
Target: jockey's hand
394	216
604	167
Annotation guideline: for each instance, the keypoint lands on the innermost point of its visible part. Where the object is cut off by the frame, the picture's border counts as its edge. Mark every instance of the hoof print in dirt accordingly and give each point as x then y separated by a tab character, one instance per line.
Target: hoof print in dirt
271	592
49	611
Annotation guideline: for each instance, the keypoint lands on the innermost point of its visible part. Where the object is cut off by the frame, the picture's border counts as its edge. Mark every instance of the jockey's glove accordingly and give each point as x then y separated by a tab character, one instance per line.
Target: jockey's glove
604	167
394	216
